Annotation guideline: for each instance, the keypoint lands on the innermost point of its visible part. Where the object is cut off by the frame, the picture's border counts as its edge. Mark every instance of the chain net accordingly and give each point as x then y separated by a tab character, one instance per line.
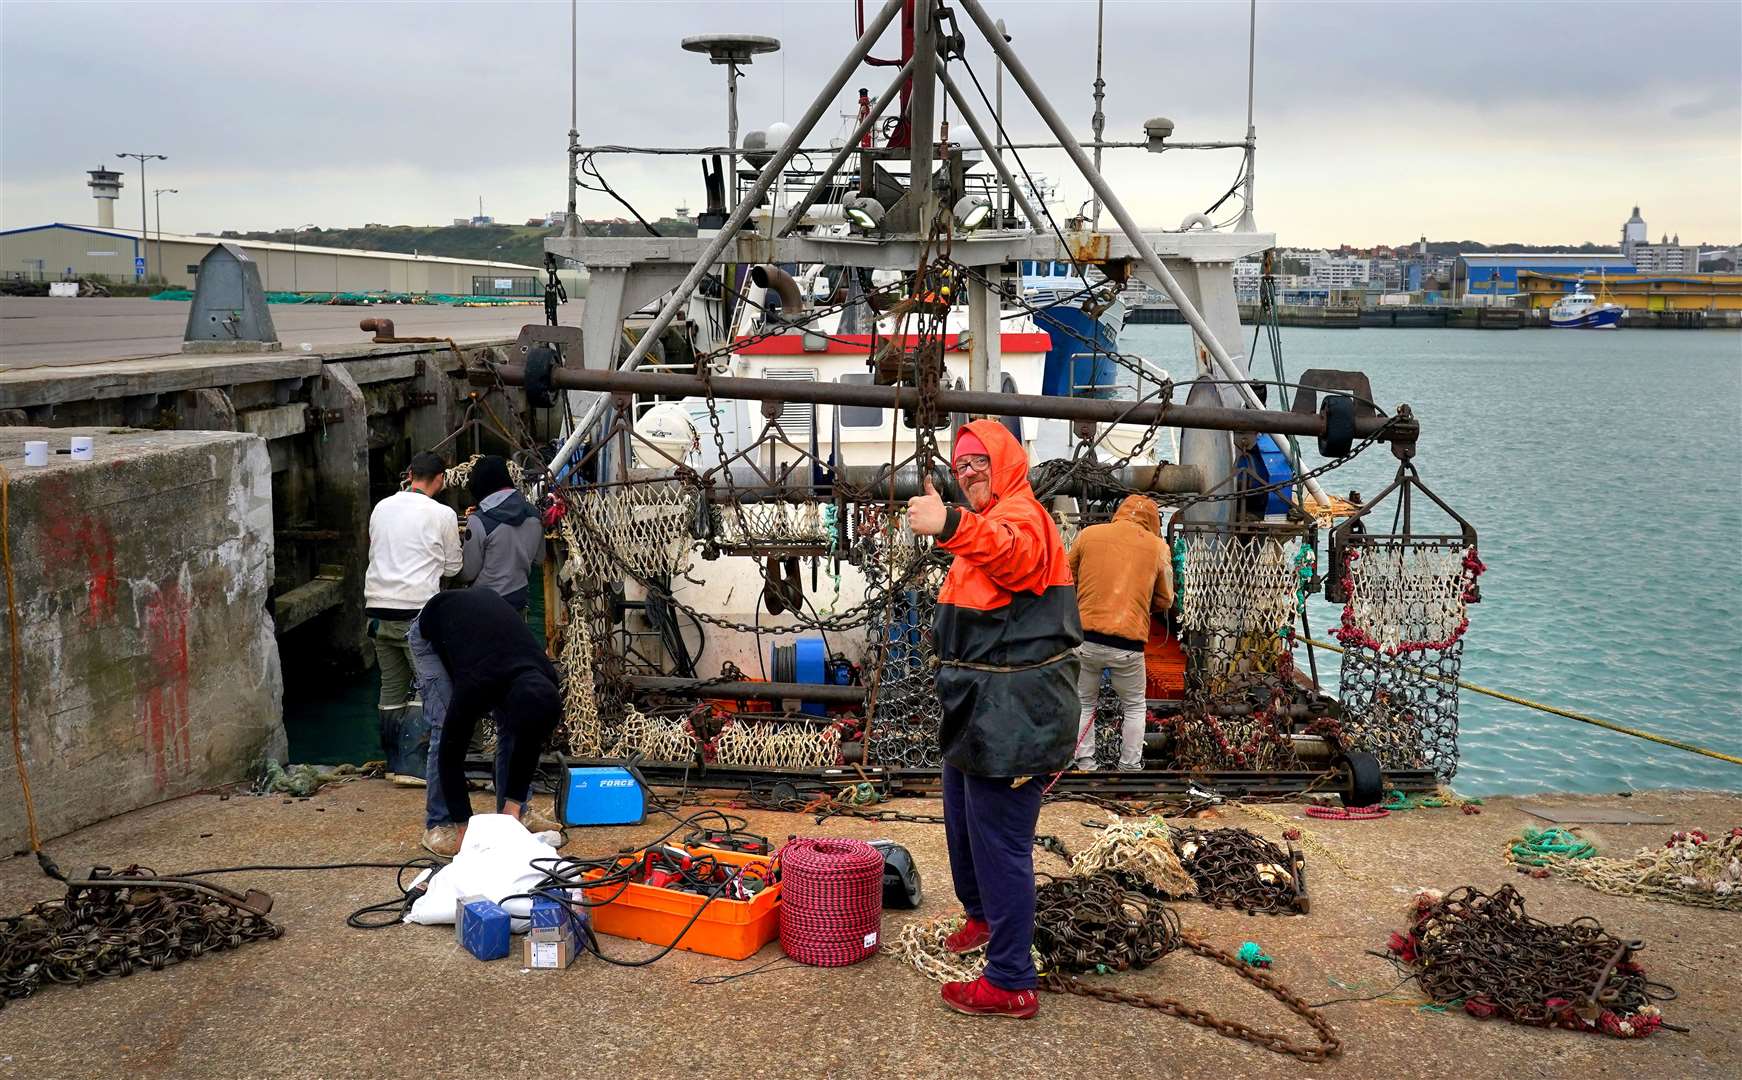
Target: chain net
1691	868
906	714
96	932
765	523
1403	634
1239	595
1483	951
1238	868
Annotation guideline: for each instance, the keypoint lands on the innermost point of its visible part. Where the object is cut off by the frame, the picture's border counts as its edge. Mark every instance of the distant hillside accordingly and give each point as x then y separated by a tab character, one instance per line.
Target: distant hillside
522	244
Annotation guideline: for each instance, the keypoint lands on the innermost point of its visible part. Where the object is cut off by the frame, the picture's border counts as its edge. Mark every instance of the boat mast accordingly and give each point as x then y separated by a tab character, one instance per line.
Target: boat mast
572	220
1246	223
1098	123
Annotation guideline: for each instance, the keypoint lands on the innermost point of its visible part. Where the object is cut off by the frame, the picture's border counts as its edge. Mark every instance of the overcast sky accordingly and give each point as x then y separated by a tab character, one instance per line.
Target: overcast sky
1535	122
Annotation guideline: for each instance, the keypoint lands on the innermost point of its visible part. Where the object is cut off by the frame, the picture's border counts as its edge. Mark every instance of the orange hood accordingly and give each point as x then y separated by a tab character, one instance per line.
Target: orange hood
1009	459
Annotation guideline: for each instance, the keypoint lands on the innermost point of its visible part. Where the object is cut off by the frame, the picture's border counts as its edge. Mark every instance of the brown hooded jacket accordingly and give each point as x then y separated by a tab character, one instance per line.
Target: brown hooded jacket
1123	572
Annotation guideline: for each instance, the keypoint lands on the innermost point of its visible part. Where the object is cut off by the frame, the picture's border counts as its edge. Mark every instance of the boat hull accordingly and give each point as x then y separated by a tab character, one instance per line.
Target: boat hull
1599	319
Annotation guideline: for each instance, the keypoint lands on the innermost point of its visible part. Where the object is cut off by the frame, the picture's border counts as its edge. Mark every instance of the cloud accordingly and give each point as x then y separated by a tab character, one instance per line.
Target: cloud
275	114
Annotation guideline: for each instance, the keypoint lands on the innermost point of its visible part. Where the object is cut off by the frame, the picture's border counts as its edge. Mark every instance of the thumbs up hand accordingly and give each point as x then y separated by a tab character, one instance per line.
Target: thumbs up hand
926	514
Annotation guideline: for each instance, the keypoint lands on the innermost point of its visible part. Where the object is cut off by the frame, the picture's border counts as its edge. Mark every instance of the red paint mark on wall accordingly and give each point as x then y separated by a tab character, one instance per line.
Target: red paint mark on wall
164	722
84	541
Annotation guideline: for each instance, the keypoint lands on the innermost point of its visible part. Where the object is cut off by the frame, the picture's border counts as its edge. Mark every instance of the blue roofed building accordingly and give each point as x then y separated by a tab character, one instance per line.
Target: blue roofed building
1495	274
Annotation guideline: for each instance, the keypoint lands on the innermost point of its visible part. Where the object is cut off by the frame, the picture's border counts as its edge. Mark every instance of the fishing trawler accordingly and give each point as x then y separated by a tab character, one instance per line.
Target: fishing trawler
743	414
1579	310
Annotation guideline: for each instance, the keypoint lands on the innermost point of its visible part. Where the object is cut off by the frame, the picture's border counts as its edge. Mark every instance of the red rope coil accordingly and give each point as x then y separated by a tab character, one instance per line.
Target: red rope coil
831	901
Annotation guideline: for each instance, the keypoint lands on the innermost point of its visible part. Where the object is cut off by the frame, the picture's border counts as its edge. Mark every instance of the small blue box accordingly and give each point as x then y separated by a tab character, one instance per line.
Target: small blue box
484	929
549	913
601	795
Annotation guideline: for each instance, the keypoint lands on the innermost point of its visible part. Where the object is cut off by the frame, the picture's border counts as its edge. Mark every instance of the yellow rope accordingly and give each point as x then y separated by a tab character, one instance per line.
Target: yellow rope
1568	713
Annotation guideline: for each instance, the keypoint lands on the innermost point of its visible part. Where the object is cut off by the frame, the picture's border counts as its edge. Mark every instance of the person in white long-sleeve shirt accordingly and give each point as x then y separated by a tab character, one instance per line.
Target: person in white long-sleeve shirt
414	542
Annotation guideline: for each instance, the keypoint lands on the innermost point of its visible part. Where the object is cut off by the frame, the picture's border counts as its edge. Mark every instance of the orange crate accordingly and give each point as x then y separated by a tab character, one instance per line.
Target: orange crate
734	929
1164	663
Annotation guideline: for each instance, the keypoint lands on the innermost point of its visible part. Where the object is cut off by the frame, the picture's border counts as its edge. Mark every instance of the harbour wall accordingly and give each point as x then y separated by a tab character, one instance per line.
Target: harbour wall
141	581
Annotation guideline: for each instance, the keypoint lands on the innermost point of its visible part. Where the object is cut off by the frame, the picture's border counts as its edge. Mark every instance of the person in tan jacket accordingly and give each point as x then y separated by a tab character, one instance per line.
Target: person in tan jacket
1123	571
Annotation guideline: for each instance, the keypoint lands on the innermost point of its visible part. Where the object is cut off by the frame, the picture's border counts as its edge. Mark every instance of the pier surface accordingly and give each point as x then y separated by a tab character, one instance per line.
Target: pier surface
327	1001
41	332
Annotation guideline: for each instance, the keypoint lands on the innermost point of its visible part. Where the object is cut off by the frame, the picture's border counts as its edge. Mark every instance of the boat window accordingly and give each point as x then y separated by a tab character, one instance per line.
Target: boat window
1058	270
1028	268
1012	424
858	416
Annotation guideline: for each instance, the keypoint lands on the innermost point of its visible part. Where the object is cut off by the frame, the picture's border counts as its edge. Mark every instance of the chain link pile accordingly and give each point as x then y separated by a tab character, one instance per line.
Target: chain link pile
97	932
1238	868
1483	951
1402	632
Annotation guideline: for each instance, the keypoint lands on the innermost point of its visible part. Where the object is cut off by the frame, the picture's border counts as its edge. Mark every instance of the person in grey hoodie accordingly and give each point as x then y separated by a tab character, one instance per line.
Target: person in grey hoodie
504	536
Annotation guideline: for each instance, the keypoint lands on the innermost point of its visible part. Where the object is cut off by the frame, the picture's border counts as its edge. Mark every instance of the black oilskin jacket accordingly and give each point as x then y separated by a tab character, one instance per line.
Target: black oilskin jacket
1008	603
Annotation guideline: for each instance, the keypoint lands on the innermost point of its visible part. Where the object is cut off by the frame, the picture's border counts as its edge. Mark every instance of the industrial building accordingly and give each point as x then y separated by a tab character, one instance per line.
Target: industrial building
1495	274
59	252
1639	292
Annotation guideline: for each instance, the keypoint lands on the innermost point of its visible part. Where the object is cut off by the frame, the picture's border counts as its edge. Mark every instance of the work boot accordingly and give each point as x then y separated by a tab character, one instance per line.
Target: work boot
971	935
442	841
536	821
981	998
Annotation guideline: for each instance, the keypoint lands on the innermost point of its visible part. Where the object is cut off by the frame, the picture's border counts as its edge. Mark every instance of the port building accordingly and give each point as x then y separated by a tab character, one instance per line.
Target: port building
1495	274
1639	292
62	252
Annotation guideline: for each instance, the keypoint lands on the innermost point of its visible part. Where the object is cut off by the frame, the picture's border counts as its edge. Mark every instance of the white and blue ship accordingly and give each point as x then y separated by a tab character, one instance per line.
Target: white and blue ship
1580	310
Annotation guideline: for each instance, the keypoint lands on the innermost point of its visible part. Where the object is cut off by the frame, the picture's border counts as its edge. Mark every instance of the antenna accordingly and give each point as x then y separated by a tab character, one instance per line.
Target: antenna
1246	223
1098	123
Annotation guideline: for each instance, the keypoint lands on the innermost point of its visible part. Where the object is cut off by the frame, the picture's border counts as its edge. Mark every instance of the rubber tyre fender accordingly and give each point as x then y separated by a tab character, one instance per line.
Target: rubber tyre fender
540	361
1339	437
1363	782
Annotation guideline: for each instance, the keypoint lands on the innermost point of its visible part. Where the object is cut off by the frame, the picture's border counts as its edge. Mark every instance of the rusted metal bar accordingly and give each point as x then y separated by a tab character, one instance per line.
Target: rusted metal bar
982	403
825	693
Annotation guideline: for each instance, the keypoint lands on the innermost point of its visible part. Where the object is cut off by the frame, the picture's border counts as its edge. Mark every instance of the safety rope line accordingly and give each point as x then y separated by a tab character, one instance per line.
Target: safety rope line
1583	718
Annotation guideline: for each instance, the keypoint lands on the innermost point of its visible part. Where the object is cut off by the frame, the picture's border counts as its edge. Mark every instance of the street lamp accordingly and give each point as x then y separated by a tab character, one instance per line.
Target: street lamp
157	195
143	223
293	232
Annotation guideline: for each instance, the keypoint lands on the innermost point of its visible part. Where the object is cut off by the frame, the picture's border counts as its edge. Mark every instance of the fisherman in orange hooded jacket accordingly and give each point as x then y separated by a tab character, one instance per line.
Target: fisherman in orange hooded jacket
1006	629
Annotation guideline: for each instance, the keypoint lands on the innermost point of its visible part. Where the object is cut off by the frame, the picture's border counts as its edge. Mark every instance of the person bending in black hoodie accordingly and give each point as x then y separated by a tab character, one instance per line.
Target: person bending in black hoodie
495	665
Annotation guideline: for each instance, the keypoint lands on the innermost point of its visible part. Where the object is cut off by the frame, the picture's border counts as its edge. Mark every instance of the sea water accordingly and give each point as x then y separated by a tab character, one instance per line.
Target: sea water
1603	473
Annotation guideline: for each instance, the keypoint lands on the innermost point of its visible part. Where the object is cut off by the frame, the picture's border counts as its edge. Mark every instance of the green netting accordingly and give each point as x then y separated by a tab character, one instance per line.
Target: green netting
366	299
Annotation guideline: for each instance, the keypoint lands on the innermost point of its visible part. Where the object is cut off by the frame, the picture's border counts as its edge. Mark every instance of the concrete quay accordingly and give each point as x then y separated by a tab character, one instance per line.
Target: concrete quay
331	1002
148	667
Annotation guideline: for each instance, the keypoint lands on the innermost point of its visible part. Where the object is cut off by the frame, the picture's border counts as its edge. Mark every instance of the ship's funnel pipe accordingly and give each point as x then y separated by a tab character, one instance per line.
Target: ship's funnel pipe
769	276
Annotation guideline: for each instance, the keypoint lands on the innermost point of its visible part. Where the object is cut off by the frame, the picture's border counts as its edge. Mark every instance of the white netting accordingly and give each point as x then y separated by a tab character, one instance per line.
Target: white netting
774	523
1406	593
1236	584
658	738
774	745
641	527
459	474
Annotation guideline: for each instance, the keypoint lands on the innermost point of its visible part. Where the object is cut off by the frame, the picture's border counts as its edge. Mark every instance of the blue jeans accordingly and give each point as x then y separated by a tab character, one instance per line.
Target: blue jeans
437	690
989	830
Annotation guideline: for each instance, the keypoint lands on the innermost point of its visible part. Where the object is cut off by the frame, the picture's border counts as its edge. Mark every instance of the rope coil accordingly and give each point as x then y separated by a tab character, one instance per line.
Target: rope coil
831	901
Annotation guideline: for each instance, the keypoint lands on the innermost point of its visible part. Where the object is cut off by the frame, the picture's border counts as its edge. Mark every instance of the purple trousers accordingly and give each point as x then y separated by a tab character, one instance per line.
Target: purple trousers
989	827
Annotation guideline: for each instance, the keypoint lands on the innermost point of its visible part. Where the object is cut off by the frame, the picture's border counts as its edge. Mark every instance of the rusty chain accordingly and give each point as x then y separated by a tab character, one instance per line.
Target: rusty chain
121	921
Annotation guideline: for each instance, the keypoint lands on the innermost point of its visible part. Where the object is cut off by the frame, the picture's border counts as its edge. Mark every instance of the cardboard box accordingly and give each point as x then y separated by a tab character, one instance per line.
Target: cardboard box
551	947
485	929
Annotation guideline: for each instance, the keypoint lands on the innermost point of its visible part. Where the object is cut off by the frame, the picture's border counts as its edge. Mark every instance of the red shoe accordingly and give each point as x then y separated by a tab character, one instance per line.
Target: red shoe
971	935
981	998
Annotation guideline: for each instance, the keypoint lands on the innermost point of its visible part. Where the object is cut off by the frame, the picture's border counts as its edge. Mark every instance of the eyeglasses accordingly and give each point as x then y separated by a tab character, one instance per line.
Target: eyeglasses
968	464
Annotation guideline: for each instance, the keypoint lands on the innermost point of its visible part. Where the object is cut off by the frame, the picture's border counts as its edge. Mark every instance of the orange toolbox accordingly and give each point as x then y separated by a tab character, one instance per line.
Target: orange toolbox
733	929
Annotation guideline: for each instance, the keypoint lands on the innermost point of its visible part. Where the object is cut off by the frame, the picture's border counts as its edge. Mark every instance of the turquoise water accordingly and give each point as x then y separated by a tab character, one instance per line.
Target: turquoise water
1603	472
